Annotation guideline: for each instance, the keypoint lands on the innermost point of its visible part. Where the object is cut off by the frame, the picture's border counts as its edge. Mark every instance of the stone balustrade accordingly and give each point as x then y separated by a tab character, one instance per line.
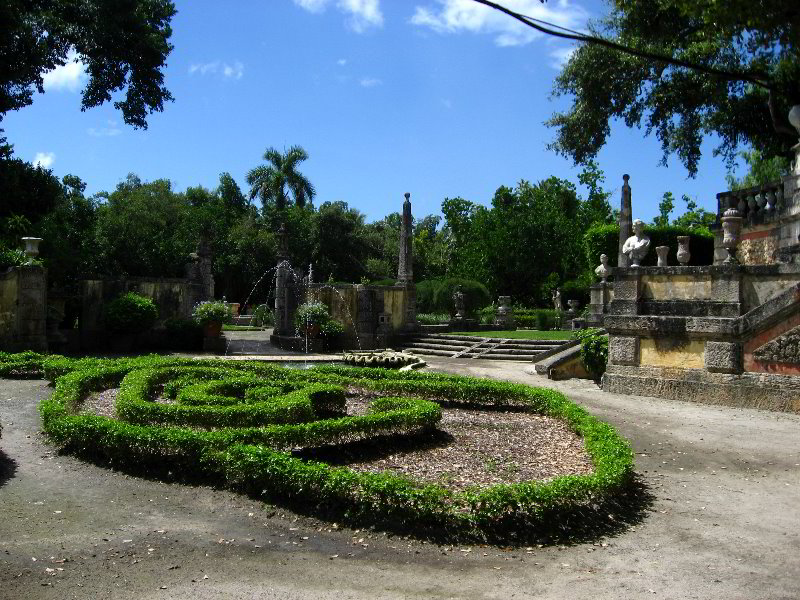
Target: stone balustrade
757	205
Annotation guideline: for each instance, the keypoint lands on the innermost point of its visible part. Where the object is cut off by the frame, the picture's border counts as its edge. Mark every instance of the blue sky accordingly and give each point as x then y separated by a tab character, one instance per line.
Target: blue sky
439	98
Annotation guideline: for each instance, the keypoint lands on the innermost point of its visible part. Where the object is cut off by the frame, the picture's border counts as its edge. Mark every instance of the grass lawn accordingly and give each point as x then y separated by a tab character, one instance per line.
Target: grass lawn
520	334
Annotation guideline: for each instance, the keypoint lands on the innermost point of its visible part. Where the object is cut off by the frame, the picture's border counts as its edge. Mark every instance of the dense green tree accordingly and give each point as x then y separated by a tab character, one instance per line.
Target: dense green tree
684	70
67	233
340	244
665	207
280	180
28	193
694	216
514	247
124	44
145	229
760	170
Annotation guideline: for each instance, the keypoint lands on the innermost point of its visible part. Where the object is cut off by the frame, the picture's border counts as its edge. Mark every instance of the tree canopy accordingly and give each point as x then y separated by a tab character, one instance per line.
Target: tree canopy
685	69
124	44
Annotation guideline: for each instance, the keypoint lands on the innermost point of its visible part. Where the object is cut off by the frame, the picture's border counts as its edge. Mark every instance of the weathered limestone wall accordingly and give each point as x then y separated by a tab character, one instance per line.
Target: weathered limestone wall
372	315
707	334
23	309
173	297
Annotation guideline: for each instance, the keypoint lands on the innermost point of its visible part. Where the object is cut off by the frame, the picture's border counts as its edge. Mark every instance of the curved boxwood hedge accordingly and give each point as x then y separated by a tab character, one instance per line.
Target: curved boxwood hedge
263	459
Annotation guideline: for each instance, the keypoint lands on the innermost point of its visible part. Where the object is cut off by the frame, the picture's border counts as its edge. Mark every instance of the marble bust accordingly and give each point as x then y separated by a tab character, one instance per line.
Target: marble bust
636	246
603	271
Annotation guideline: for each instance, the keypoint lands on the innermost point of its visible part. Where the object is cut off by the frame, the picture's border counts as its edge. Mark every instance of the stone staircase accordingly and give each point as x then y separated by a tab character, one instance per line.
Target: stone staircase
465	346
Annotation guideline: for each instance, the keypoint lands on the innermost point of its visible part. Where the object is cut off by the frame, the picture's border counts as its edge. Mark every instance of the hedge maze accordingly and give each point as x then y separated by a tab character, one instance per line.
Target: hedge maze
245	425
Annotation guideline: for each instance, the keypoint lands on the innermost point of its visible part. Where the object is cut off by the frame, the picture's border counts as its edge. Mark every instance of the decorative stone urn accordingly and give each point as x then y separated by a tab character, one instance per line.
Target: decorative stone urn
662	252
31	248
505	314
731	228
683	250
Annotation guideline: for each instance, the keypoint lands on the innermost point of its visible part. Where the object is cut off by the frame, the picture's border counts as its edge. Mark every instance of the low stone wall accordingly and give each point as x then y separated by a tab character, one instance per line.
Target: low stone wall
174	298
23	309
707	334
373	316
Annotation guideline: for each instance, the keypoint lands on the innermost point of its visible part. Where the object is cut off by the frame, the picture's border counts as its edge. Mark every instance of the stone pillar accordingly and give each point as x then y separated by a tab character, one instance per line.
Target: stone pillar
283	326
405	266
625	221
599	294
32	309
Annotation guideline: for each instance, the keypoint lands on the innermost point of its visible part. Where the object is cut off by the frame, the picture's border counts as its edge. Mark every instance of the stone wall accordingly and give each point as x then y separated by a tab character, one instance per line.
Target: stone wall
675	331
373	316
23	309
173	297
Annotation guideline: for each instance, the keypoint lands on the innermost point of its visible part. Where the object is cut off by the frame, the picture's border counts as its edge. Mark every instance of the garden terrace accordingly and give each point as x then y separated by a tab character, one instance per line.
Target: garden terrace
265	430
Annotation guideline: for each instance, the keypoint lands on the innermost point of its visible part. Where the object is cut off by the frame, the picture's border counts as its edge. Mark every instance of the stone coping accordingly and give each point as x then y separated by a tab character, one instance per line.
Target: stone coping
775	269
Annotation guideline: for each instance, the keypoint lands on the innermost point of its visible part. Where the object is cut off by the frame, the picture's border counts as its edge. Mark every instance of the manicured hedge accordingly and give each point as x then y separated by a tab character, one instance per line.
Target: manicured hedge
604	239
257	459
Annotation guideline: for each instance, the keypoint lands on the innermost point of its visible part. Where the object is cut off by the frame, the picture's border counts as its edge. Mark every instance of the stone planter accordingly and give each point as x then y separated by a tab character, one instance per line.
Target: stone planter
212	329
683	250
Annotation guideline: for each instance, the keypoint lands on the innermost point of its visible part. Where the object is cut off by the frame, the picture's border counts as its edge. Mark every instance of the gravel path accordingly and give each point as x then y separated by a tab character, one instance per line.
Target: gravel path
724	522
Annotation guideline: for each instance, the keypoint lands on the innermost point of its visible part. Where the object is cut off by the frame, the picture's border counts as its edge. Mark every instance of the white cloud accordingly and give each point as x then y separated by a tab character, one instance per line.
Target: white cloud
561	56
341	62
44	159
69	76
369	82
454	16
109	131
234	71
361	14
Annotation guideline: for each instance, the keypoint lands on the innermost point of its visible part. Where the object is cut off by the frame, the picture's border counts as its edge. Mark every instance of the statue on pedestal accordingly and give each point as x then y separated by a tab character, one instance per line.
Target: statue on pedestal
636	246
557	300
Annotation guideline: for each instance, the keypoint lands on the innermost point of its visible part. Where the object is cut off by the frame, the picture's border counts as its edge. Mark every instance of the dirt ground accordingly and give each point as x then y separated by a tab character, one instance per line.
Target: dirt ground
724	522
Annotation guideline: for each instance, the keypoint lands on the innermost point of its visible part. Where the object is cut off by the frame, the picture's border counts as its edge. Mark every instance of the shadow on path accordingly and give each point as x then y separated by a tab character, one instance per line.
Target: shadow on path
8	468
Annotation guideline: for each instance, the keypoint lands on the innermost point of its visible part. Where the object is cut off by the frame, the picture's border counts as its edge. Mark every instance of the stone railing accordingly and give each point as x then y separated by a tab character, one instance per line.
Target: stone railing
757	205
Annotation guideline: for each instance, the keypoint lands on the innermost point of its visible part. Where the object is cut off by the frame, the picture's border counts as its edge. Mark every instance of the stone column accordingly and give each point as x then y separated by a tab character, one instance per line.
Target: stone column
282	324
32	309
405	266
625	221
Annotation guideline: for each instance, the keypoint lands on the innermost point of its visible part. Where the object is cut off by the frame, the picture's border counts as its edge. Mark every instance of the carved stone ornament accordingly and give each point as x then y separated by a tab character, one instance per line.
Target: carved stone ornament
637	245
731	228
662	252
603	271
683	250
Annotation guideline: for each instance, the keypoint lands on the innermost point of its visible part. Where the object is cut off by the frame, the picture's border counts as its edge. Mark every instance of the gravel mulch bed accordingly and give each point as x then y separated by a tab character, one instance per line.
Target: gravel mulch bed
470	448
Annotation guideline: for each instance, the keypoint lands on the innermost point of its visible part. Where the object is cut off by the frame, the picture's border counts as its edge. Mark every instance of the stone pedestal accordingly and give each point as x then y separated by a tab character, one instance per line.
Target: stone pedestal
600	295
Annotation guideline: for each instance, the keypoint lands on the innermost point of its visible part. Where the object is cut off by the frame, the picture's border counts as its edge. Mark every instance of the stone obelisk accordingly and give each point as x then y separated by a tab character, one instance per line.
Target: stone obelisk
625	221
405	267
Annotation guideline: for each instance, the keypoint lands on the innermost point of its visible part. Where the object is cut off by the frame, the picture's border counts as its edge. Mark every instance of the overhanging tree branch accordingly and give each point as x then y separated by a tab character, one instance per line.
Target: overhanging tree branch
758	79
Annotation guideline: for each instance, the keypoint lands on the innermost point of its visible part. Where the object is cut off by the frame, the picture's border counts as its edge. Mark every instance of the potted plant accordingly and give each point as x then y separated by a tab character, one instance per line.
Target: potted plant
127	317
332	332
310	317
211	315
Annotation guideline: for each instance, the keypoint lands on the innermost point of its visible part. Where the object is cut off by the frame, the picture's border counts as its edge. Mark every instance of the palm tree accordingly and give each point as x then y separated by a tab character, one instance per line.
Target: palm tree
279	179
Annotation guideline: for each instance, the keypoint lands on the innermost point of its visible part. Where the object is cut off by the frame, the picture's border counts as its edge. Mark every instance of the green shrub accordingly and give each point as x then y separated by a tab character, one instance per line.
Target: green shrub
262	316
13	257
433	318
311	313
258	459
543	319
212	311
594	351
604	239
436	295
130	313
